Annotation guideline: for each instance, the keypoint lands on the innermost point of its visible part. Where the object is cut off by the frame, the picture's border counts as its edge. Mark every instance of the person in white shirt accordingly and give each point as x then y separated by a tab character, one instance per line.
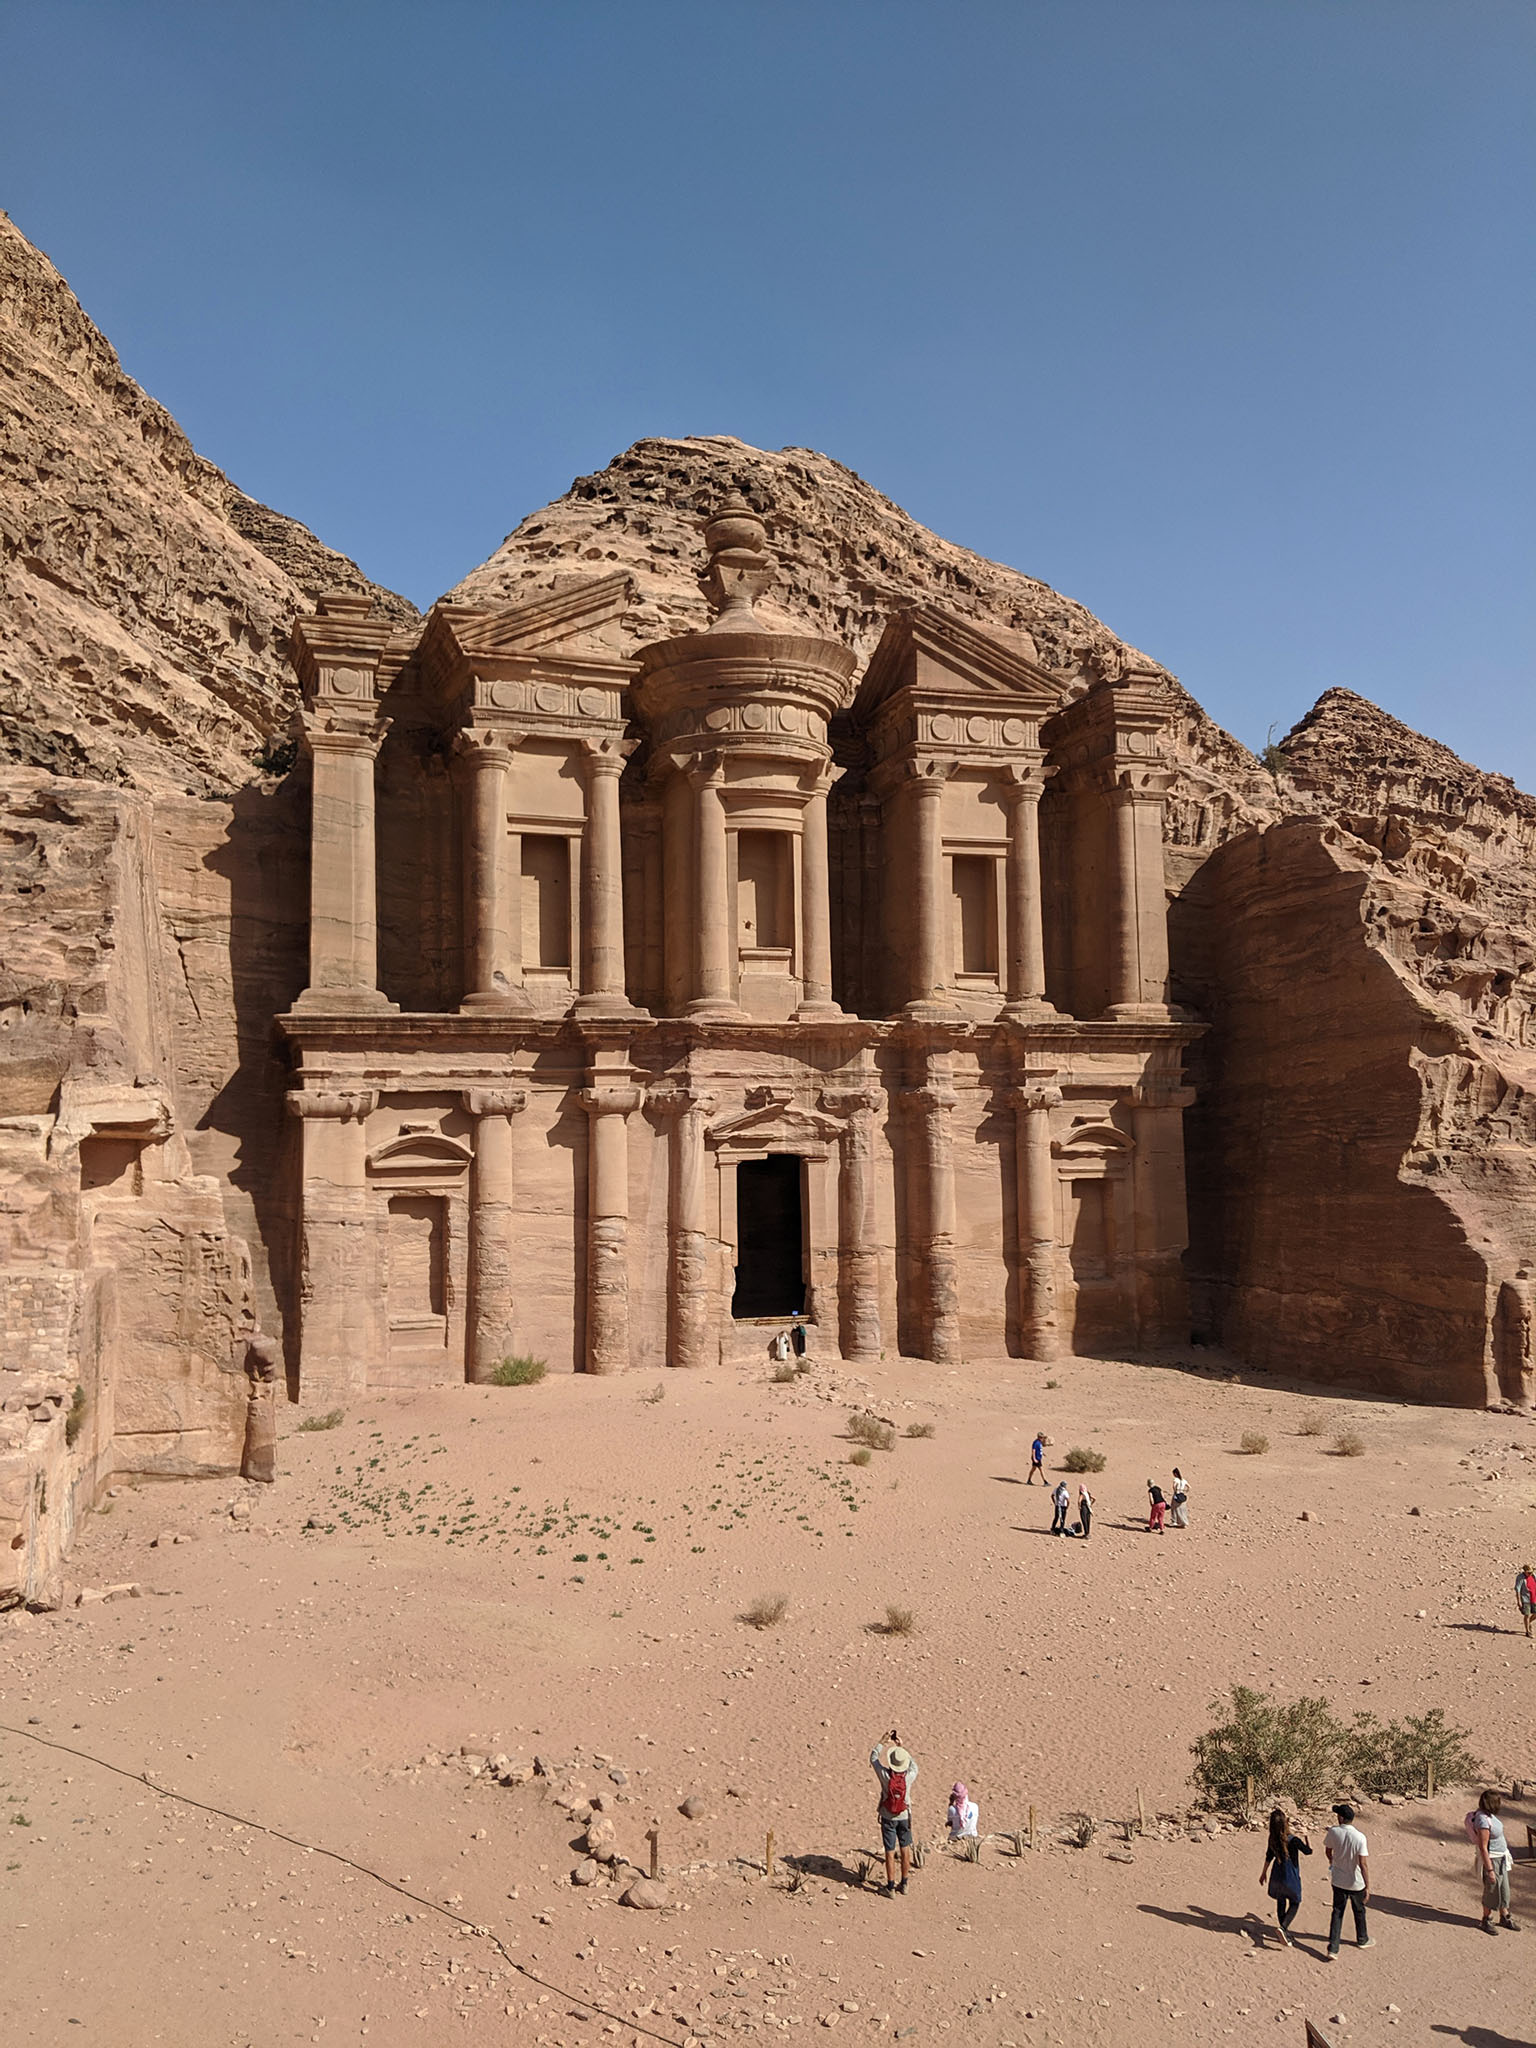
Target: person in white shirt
964	1817
1349	1872
1061	1501
1494	1860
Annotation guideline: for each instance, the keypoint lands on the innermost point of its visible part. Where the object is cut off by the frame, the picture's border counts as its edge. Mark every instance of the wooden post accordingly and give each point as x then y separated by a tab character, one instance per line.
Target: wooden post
1141	1814
653	1836
1429	1781
1032	1827
1249	1806
768	1856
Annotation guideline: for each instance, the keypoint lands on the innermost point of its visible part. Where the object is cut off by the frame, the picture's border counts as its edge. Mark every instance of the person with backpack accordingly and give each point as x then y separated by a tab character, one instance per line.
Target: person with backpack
897	1772
1084	1511
1495	1859
1525	1595
1178	1509
1281	1874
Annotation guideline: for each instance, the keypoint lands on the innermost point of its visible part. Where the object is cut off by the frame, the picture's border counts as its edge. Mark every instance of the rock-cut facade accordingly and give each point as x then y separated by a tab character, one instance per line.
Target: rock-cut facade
725	994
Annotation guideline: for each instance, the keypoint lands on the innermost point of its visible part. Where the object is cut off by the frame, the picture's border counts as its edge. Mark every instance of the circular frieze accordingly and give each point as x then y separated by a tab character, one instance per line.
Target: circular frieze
754	717
978	731
507	696
791	719
718	717
1136	742
1014	731
592	703
942	727
348	682
549	697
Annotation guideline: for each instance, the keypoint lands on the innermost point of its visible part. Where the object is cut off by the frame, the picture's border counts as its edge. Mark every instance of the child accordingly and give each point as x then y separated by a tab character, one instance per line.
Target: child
963	1816
1159	1508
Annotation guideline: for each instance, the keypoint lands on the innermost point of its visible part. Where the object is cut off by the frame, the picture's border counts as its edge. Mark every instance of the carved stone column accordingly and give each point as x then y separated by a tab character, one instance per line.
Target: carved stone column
816	909
688	1335
1040	1318
343	910
338	1296
1139	964
1026	918
492	1250
493	966
936	1102
713	939
608	1108
1159	1207
859	1252
602	887
928	976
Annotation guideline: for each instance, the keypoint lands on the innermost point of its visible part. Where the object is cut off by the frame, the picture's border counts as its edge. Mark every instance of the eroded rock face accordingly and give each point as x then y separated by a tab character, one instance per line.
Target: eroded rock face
144	601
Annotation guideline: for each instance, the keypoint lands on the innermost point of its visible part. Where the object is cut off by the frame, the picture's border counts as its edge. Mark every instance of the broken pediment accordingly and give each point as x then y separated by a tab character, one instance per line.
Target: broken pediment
929	653
1092	1141
427	1149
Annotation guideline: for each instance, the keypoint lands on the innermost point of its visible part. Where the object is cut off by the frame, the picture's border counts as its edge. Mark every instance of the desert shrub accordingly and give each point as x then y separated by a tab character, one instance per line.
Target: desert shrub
1253	1443
861	1456
868	1429
1080	1460
277	755
920	1429
900	1621
1297	1748
333	1418
1392	1756
1081	1830
1051	1385
519	1372
1349	1443
767	1610
657	1393
74	1419
785	1373
1313	1422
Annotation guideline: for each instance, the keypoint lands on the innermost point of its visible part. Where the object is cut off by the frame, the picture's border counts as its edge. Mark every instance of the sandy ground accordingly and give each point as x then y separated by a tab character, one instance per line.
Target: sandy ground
559	1572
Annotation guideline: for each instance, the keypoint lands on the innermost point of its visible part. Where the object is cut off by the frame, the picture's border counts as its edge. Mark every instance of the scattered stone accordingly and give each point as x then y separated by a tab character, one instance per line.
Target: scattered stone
588	1871
693	1807
1415	1511
649	1894
619	1777
88	1595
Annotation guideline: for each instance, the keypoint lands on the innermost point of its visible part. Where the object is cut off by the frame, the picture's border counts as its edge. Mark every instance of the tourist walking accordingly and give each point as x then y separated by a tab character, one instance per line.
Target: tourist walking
1084	1511
1061	1501
1178	1514
1281	1874
897	1772
1158	1507
1495	1859
1525	1594
1036	1460
964	1816
1349	1873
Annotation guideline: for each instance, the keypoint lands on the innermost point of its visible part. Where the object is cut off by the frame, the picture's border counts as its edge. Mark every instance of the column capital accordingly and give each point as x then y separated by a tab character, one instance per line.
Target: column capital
339	1103
928	773
677	1098
852	1102
485	746
933	1096
604	755
705	771
1035	1096
611	1100
495	1101
1148	785
1023	782
330	731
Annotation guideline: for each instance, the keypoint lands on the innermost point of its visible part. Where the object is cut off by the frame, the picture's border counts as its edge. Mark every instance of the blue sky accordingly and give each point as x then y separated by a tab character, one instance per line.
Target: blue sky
1216	314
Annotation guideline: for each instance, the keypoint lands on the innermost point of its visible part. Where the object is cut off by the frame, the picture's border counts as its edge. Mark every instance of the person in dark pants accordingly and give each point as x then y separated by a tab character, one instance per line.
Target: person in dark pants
1084	1511
1036	1461
1281	1875
1350	1875
1061	1501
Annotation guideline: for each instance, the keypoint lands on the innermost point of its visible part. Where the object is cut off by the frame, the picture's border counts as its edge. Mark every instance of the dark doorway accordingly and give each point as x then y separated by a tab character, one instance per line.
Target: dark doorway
770	1273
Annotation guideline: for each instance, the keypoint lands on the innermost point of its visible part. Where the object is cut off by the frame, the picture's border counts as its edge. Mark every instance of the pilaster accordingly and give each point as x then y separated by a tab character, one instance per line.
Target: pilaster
492	1225
1033	1103
337	1292
609	1104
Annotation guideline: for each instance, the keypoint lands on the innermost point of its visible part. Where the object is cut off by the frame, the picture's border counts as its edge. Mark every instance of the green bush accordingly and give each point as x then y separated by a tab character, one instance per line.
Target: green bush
1393	1756
1080	1460
74	1420
861	1456
1296	1749
785	1373
333	1418
1349	1443
921	1429
1254	1443
519	1372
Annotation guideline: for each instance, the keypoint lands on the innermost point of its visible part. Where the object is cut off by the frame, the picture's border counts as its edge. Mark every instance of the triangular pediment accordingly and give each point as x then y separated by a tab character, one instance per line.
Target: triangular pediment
1092	1141
578	624
928	651
774	1125
421	1149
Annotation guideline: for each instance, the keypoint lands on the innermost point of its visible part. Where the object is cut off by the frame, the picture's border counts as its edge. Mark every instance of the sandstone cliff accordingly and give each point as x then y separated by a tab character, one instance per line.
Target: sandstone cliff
144	601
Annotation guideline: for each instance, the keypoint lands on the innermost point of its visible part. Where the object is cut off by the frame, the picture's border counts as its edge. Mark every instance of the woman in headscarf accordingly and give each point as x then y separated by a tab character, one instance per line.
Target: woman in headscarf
963	1816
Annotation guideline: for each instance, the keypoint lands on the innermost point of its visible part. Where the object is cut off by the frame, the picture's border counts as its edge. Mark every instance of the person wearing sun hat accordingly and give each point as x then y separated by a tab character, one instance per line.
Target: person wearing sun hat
896	1770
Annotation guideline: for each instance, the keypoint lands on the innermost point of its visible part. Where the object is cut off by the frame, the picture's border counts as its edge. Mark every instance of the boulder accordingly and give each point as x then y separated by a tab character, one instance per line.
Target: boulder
647	1893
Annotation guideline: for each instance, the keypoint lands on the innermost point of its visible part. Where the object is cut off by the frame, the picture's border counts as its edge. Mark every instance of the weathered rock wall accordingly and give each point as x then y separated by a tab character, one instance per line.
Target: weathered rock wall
124	1295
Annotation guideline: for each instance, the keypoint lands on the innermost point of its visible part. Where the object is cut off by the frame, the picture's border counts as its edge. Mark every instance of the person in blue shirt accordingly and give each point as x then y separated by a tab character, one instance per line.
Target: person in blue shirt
1036	1460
